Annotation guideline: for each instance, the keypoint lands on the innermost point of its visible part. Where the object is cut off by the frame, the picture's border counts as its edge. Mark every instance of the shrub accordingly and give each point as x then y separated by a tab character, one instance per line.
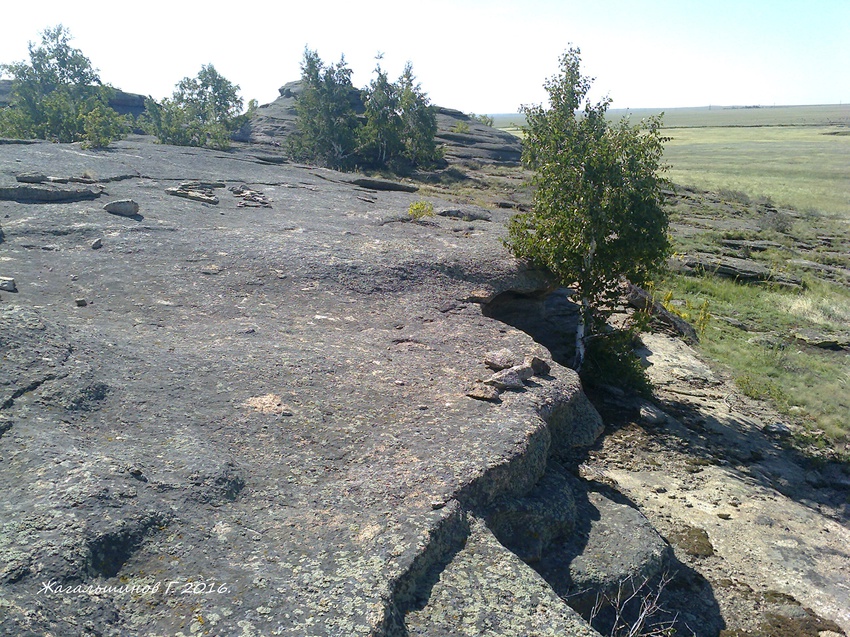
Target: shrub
610	359
484	119
203	111
326	121
59	96
397	129
101	125
420	209
401	125
460	127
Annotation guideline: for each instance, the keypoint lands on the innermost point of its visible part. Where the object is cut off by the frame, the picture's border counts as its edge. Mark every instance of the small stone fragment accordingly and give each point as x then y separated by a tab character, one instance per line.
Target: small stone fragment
500	359
480	391
196	195
524	371
122	207
97	244
81	302
540	367
505	379
651	414
724	516
8	284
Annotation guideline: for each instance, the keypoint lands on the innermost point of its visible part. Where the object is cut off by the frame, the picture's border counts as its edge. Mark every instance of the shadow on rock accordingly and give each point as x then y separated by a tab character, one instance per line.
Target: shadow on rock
616	569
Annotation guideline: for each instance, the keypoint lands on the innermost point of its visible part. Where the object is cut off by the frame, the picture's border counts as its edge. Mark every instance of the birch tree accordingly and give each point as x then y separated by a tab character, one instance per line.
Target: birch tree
597	216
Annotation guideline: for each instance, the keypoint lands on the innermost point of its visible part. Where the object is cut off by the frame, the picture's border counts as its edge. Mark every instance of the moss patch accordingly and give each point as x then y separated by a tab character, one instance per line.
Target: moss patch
694	541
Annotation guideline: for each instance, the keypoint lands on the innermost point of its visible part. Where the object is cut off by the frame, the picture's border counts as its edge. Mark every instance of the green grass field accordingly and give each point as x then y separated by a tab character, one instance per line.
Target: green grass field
804	167
799	156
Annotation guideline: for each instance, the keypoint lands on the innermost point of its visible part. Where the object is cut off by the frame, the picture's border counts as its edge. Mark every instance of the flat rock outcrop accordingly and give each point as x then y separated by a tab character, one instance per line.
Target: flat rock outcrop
256	420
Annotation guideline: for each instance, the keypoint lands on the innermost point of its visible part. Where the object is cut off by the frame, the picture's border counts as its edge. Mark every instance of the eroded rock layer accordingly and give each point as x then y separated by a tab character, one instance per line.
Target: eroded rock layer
254	419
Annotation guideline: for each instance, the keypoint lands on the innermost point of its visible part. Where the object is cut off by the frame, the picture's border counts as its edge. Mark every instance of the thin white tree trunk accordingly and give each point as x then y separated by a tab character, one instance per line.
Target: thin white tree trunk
584	315
580	334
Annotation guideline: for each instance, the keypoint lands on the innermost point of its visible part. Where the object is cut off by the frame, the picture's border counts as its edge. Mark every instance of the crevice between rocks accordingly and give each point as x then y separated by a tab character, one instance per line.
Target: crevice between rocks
494	497
10	401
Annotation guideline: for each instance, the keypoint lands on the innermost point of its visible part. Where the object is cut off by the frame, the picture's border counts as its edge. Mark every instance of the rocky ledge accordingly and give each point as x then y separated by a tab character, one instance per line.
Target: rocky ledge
245	410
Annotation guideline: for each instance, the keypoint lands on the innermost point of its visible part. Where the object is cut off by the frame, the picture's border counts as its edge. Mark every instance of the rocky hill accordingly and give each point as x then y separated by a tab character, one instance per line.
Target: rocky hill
240	396
471	142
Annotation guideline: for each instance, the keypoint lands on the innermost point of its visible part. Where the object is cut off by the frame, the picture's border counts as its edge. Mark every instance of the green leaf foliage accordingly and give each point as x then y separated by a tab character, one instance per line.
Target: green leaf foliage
597	215
58	96
203	111
326	119
396	129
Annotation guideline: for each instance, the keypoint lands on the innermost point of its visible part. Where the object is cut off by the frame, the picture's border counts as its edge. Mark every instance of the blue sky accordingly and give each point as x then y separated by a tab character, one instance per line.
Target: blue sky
484	57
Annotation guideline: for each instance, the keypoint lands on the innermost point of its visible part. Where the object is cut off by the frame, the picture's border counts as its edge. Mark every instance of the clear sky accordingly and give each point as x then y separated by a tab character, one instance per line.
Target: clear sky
478	56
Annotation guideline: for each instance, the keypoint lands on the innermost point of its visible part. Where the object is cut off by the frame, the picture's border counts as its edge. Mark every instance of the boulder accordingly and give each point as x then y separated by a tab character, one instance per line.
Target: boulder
122	207
272	124
612	544
31	178
8	284
528	525
506	379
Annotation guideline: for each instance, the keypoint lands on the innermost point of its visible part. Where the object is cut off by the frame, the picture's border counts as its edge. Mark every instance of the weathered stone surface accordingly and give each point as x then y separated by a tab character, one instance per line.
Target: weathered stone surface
538	365
787	529
652	414
480	391
467	214
506	379
822	339
751	245
487	590
122	207
671	362
32	193
528	525
132	458
524	371
384	184
31	178
501	359
612	544
193	192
